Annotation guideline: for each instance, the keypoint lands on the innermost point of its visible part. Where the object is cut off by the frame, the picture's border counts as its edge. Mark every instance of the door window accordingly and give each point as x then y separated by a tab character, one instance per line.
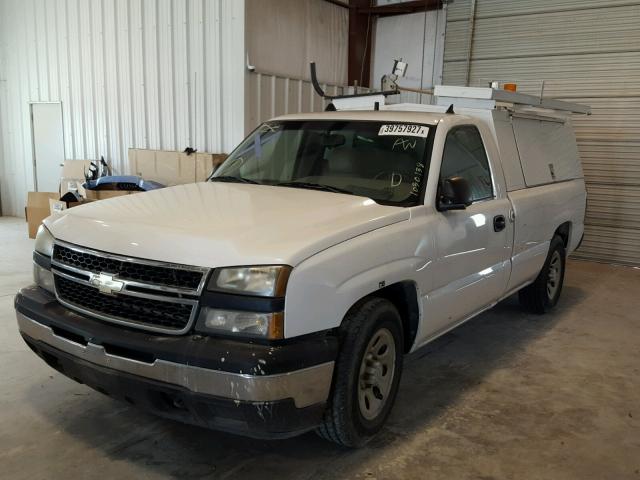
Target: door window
464	156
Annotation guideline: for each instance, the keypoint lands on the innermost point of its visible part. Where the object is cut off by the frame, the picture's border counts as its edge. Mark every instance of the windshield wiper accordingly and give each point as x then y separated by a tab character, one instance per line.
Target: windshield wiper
232	179
314	186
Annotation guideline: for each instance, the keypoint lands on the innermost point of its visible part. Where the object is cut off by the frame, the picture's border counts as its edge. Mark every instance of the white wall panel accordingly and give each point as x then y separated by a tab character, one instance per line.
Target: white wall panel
162	74
417	38
212	103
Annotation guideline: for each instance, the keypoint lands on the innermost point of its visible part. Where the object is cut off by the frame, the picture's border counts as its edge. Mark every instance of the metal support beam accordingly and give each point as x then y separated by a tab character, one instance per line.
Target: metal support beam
472	28
360	33
402	8
339	3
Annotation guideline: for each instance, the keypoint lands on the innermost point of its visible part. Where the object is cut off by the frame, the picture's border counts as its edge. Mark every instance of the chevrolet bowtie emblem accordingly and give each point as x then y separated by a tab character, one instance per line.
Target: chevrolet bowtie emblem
105	283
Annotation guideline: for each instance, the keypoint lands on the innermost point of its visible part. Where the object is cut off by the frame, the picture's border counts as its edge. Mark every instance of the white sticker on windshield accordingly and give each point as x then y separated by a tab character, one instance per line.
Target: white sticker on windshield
404	130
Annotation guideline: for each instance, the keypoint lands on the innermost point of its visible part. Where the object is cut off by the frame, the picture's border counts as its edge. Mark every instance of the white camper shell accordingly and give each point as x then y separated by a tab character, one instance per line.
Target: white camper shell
535	136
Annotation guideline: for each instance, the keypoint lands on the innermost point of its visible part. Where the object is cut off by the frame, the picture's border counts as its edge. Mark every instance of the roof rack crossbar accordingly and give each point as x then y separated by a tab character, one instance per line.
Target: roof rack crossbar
490	96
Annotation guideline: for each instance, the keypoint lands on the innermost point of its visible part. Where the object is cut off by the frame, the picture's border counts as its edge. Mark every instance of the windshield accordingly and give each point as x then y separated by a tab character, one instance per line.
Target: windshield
384	161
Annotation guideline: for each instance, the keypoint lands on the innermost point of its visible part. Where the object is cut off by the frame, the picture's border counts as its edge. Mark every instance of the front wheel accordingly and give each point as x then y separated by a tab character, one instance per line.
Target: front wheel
367	374
543	294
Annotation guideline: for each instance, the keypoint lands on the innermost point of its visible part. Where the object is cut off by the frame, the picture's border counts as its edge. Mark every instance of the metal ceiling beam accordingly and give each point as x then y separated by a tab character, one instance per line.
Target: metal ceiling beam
401	8
339	3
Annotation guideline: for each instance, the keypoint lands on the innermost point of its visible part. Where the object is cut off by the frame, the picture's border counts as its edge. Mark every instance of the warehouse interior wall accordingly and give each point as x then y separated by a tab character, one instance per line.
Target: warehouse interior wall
416	38
585	51
3	119
156	74
282	38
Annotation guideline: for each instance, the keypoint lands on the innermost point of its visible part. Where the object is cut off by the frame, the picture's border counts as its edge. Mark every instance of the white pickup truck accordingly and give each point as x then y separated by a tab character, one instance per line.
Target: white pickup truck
281	295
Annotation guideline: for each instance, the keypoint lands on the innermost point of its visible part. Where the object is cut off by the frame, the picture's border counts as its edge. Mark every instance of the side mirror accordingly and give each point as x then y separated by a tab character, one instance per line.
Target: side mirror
455	194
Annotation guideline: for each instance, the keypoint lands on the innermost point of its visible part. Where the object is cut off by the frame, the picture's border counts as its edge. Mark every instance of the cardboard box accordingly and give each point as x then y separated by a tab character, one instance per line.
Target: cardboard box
38	209
165	167
57	206
172	168
71	184
76	168
72	176
206	164
103	194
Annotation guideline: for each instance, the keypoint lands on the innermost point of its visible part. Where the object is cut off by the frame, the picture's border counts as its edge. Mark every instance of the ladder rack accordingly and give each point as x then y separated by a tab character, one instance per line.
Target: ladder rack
489	98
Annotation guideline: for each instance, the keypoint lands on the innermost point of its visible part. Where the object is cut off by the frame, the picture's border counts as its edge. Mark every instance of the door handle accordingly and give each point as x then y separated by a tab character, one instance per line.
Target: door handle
499	222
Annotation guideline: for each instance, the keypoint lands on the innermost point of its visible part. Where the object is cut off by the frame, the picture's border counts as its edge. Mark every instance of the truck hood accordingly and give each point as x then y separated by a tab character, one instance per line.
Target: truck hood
222	224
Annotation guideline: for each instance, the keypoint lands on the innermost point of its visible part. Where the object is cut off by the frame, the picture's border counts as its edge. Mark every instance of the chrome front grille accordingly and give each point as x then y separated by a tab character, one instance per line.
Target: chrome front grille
128	269
145	294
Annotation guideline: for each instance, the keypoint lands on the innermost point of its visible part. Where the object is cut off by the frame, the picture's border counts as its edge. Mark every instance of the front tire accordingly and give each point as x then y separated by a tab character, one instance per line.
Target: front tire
543	294
367	374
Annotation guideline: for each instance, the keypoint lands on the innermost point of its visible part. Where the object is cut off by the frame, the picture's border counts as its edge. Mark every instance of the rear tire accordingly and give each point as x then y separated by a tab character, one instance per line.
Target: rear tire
367	374
543	294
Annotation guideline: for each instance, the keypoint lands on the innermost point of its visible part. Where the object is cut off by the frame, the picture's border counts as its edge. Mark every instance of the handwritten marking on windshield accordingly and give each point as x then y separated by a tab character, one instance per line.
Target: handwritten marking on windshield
405	144
417	179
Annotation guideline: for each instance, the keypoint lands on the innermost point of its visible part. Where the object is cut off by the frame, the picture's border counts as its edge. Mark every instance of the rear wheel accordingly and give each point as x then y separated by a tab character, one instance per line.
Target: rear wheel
367	374
543	294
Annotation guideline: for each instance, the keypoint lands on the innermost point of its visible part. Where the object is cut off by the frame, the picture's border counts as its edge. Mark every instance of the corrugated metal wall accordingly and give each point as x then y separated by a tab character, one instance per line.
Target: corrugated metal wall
158	74
586	51
282	37
272	95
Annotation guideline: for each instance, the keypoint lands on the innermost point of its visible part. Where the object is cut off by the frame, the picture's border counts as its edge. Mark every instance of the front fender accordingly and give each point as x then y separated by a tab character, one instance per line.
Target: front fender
324	287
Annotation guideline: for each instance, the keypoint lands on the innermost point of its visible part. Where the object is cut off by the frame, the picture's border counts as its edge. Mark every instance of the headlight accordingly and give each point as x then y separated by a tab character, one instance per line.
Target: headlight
43	278
44	241
42	275
263	281
248	324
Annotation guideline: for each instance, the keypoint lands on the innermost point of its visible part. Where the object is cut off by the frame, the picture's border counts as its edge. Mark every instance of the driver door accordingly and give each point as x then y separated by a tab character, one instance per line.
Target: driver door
473	244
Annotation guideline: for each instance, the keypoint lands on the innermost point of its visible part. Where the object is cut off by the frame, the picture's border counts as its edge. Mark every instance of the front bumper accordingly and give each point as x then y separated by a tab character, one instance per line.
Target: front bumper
264	391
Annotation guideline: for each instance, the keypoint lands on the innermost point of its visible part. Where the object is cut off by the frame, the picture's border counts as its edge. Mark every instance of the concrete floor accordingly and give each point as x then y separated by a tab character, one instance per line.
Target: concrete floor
507	395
